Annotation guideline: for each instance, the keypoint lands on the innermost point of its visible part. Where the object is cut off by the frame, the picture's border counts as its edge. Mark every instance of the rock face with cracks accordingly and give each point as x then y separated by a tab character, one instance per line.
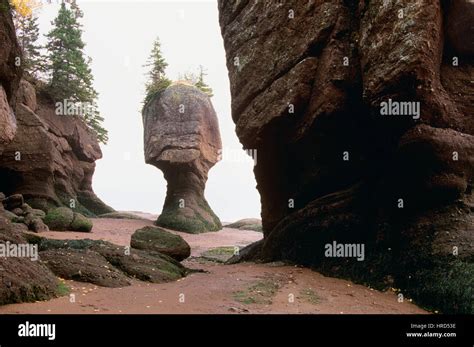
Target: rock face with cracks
10	74
181	135
308	80
51	159
21	278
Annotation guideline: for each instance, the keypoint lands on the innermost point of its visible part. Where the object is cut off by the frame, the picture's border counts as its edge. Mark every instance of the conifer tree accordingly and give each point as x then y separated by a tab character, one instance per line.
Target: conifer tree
201	84
157	79
27	31
70	77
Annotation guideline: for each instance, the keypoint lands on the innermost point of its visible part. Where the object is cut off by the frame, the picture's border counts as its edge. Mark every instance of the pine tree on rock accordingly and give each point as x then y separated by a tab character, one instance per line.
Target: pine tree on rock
27	31
70	77
201	84
157	79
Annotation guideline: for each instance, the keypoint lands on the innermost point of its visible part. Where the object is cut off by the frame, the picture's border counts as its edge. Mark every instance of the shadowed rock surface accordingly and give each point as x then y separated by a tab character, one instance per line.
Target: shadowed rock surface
182	139
307	82
21	278
10	75
105	263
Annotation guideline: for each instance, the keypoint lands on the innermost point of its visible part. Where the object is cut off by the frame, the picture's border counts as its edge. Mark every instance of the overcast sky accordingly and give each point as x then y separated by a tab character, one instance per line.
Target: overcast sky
119	37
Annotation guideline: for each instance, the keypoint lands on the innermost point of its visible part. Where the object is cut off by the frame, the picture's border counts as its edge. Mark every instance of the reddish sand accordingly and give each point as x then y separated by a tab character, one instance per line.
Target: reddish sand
223	289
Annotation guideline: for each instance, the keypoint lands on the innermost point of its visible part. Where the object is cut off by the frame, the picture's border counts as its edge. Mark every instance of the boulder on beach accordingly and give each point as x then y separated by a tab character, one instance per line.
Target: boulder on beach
16	211
64	219
23	279
182	139
105	263
159	240
121	215
254	224
83	266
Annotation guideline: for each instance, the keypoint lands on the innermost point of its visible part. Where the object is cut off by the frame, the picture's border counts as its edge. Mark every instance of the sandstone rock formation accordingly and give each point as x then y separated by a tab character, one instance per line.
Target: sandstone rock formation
63	219
246	224
308	80
21	279
182	139
159	240
52	157
10	74
106	264
16	211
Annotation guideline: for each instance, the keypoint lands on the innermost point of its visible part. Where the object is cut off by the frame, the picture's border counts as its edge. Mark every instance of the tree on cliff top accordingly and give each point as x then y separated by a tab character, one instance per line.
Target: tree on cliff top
197	80
157	80
201	84
27	32
70	77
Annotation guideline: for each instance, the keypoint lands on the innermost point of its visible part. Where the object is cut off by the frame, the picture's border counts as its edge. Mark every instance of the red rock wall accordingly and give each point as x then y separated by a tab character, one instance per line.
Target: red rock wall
308	79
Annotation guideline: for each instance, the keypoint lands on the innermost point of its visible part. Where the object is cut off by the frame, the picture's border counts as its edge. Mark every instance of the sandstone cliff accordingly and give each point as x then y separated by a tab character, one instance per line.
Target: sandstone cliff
10	74
308	79
51	159
20	278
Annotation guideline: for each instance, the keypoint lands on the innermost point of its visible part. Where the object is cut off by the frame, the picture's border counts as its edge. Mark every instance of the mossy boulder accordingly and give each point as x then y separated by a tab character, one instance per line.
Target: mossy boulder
159	240
36	212
10	216
247	224
144	265
63	218
83	265
22	278
220	254
120	215
81	223
59	219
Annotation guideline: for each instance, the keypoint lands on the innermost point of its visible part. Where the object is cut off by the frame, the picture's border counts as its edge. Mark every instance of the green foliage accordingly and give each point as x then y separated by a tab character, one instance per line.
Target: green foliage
70	77
201	84
81	223
310	296
62	289
59	219
197	80
27	32
157	80
261	293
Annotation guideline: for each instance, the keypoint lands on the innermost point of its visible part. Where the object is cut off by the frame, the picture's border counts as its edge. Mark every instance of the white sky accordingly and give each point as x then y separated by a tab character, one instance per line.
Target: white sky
119	37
